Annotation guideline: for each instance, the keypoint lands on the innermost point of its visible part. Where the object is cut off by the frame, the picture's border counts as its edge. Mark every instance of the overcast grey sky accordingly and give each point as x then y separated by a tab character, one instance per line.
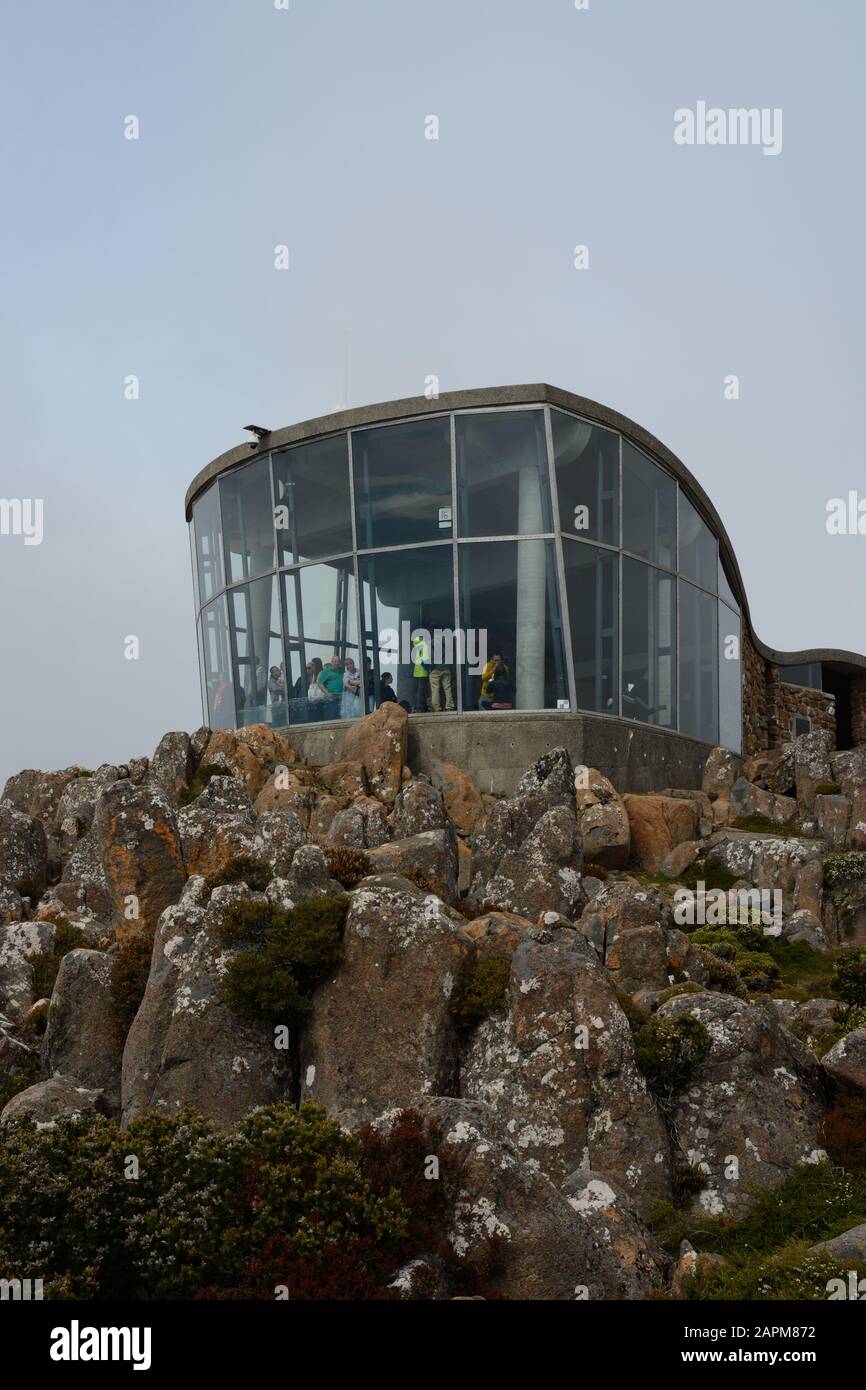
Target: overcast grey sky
260	126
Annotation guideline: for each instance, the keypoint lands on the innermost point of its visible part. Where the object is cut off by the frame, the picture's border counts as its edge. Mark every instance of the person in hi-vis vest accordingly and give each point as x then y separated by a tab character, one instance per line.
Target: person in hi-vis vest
420	676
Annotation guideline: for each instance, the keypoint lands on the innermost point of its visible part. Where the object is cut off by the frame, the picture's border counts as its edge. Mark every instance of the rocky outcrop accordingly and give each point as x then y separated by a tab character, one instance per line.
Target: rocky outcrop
58	1098
382	1034
185	1045
846	1062
753	1112
556	1068
602	820
23	853
379	744
82	1038
430	855
139	849
658	824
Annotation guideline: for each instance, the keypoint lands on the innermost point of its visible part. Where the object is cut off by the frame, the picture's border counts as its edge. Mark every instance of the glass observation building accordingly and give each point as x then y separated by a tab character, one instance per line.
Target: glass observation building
520	522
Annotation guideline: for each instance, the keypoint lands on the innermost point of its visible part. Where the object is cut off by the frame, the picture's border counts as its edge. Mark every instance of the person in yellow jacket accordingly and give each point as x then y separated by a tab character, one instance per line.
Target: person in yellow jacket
420	673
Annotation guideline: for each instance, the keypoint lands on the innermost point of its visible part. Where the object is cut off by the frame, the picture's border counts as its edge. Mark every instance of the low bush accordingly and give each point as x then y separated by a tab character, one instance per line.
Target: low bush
762	825
200	781
273	981
670	1051
45	964
347	865
758	971
130	968
481	987
242	870
849	977
843	869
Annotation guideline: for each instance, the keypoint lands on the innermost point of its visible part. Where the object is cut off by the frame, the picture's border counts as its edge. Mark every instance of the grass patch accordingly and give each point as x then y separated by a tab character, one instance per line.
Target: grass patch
762	825
480	989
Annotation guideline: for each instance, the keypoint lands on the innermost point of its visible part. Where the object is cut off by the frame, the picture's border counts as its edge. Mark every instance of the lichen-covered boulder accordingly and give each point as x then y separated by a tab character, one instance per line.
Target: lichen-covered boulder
658	824
381	1034
20	944
139	848
431	856
378	741
173	765
638	1264
747	799
721	771
344	780
602	820
361	825
276	838
217	827
545	1248
811	764
82	1036
58	1098
752	1112
792	865
23	853
846	1061
185	1045
461	797
555	1065
418	807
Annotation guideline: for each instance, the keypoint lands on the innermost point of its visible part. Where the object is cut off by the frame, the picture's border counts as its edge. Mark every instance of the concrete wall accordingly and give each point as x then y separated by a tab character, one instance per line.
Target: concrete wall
496	749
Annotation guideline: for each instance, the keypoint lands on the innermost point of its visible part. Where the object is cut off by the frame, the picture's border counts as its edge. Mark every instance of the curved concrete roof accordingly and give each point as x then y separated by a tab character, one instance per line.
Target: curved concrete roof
531	394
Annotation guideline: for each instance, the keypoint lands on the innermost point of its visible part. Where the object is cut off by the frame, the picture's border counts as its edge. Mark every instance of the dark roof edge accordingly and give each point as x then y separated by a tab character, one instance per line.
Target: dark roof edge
524	394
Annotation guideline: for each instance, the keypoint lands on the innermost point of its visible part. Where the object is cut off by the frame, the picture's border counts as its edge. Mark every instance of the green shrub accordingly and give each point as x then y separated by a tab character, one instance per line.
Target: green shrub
817	1201
670	1052
203	1208
762	825
758	971
45	964
710	873
796	1273
635	1015
849	977
840	870
130	969
687	1179
200	781
347	865
745	938
480	988
242	870
721	975
273	982
685	987
27	1074
244	923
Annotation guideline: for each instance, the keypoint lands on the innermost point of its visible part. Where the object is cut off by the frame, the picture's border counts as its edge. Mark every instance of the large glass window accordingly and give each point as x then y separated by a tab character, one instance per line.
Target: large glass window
248	521
217	666
725	590
592	589
321	623
312	512
406	594
259	681
649	628
649	509
698	690
502	474
403	483
807	675
587	477
208	543
730	679
698	547
510	608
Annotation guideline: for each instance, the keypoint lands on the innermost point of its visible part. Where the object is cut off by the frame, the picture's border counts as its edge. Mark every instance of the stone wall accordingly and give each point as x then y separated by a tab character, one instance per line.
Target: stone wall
784	702
754	700
858	709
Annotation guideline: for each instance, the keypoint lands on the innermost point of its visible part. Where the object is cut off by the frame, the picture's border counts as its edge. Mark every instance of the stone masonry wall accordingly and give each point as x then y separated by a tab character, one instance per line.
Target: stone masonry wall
858	710
754	700
786	701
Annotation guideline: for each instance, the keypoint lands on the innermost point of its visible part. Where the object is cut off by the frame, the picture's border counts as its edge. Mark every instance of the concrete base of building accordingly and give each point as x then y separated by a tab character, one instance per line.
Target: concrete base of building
496	748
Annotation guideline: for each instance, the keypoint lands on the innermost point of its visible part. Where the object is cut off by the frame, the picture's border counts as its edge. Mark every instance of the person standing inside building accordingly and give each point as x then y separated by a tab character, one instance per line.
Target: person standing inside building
420	673
331	683
386	694
441	688
350	705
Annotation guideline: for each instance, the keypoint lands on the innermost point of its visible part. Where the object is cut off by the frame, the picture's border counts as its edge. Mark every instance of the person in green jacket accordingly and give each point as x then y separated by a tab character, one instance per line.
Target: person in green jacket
420	673
331	682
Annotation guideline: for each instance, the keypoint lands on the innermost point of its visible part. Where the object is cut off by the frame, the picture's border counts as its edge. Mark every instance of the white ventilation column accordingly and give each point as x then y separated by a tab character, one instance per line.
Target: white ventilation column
531	594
